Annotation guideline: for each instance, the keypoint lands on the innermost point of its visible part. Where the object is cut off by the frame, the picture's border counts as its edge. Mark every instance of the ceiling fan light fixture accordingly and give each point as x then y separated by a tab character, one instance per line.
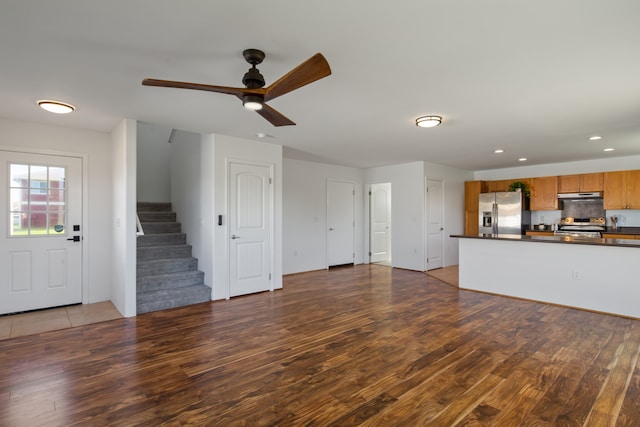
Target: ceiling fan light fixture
56	107
428	121
252	102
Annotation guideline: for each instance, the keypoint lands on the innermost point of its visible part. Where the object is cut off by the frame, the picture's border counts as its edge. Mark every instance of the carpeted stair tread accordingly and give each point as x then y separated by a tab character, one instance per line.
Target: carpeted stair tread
179	279
166	265
170	298
162	239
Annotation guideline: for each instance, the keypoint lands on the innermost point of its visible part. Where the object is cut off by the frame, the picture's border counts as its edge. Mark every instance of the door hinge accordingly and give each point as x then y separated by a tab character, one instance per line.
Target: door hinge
369	253
354	192
354	255
269	180
369	193
269	276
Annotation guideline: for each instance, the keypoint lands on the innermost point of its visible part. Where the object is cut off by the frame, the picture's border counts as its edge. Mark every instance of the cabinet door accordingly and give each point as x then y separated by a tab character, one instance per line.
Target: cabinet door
633	189
496	186
471	191
614	190
544	193
471	223
568	183
592	182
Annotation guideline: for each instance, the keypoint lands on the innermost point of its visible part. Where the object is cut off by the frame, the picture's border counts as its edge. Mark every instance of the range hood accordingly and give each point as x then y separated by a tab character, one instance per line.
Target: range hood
580	196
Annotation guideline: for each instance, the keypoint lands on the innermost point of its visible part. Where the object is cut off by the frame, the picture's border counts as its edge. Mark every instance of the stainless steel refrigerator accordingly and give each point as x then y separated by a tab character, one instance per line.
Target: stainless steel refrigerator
503	213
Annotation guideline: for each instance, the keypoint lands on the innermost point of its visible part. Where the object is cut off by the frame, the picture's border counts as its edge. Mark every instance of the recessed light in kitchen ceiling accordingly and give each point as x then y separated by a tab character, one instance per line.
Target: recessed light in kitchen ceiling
522	159
595	138
498	151
56	107
608	149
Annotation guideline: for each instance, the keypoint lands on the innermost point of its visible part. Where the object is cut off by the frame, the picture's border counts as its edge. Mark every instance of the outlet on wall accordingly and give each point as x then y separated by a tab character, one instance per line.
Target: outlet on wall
575	274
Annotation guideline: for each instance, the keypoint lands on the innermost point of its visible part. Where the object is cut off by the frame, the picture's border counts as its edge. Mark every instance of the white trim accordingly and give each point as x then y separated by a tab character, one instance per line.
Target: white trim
86	236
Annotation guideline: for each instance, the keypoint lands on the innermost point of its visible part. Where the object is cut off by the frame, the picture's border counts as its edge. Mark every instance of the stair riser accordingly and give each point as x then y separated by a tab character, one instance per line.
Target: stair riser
162	252
169	281
171	298
157	216
165	266
161	227
162	240
153	207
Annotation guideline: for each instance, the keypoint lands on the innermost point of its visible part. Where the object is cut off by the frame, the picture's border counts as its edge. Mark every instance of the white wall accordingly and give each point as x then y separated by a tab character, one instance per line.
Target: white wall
225	149
407	212
96	150
453	180
123	217
187	191
305	213
153	153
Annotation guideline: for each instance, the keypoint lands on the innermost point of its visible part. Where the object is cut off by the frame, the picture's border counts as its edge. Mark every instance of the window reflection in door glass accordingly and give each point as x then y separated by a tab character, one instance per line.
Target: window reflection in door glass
37	201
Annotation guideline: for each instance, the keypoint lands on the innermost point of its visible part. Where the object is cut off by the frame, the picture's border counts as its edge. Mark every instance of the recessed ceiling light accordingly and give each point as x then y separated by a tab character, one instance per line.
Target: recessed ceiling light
608	149
498	151
428	121
56	106
595	138
522	159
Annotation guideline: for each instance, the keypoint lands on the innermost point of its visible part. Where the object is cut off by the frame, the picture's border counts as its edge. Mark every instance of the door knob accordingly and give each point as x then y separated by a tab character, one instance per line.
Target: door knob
233	236
331	229
75	239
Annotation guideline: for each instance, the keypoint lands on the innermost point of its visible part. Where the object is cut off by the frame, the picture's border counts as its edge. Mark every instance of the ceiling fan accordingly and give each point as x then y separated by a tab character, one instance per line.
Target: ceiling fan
254	95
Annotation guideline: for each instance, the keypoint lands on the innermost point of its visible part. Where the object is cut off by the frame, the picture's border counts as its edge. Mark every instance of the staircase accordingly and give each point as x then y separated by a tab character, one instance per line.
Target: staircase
167	274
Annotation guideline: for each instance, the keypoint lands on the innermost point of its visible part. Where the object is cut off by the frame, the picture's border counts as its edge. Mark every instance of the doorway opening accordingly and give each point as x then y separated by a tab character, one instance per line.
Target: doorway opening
380	224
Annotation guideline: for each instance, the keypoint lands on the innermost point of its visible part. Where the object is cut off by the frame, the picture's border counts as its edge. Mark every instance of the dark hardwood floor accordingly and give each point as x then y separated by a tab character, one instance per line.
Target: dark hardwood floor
364	345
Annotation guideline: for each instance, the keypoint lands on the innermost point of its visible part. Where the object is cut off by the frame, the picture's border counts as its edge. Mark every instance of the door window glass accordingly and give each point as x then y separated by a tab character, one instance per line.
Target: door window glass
37	200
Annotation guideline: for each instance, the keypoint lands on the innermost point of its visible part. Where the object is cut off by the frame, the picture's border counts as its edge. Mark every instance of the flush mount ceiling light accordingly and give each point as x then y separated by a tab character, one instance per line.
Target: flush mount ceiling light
428	121
56	106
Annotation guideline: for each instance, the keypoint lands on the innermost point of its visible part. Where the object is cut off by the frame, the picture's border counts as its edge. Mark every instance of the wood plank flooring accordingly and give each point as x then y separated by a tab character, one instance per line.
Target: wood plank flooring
364	345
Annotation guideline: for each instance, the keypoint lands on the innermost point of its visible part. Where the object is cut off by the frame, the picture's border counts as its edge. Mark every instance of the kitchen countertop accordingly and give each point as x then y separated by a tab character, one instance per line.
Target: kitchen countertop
559	239
623	230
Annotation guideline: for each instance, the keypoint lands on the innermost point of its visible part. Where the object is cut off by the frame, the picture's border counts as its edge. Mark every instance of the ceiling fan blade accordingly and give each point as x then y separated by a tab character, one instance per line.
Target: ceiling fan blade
237	91
274	117
309	71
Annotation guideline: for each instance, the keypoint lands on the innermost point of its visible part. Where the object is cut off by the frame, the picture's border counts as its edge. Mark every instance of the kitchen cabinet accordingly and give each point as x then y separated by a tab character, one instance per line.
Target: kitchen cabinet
544	193
581	183
503	184
622	190
472	190
621	236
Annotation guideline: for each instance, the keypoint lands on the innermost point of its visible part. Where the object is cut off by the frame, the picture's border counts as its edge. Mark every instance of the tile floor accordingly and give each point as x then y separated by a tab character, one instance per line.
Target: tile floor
35	322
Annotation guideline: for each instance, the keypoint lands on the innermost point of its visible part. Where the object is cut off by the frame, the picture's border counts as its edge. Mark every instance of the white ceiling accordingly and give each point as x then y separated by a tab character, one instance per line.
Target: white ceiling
535	78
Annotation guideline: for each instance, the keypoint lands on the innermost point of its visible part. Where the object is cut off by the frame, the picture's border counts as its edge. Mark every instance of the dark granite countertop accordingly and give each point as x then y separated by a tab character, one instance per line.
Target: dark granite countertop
623	230
628	243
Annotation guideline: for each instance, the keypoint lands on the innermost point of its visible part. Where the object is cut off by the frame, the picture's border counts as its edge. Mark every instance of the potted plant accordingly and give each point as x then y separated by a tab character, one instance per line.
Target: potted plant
520	186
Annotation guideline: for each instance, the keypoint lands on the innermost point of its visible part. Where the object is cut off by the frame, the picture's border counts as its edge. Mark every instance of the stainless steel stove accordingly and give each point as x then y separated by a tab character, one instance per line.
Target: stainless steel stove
581	227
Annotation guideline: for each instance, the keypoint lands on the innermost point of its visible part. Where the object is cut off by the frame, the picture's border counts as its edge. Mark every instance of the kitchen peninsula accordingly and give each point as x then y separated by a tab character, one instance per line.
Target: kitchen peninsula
600	275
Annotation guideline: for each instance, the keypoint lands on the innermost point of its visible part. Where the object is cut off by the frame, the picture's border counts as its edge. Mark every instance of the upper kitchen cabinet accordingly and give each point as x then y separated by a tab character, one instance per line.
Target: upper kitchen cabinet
503	184
581	183
472	190
622	190
544	193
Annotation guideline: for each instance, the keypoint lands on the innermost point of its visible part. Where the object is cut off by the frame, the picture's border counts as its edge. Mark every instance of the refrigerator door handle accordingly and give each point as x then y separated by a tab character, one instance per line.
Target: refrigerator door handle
494	220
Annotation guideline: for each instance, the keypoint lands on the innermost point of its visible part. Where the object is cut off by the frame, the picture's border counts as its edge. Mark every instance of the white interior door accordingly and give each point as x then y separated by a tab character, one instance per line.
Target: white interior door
250	201
435	226
41	214
340	223
380	220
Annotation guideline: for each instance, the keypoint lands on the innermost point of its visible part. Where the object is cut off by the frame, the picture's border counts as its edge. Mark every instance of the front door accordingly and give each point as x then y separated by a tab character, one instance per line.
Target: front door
380	220
340	222
250	201
40	231
435	226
